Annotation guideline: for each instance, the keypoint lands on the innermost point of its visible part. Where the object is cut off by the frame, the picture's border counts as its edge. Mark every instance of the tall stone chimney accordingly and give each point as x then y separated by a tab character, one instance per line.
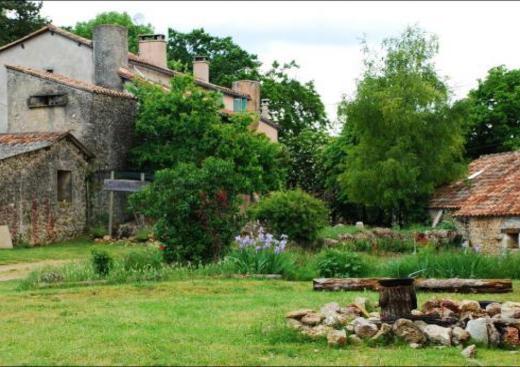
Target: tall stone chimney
252	88
201	68
152	48
264	109
110	44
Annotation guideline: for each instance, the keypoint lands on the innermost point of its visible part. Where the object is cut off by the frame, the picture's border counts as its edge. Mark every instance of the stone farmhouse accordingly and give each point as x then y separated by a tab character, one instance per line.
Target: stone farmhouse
66	122
486	204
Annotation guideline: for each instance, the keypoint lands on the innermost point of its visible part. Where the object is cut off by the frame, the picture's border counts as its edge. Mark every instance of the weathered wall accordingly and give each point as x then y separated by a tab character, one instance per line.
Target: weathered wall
28	194
104	124
268	130
46	51
485	233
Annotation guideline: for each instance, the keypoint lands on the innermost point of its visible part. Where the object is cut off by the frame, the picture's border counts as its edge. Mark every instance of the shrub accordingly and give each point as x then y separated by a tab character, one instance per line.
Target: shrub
337	263
293	213
97	231
143	234
140	260
196	209
101	262
263	254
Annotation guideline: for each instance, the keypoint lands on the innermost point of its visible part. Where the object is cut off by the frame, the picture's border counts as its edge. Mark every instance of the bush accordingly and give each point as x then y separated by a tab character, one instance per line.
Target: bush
293	213
143	234
262	254
97	231
101	262
381	245
336	263
196	209
141	260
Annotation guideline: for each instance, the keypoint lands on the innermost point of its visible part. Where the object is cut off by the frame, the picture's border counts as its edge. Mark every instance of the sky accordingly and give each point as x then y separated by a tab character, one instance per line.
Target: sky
324	37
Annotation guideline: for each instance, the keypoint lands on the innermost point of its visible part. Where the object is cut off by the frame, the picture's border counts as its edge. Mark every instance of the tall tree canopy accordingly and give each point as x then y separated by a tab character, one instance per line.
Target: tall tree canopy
228	61
493	111
294	105
19	18
185	125
406	137
85	29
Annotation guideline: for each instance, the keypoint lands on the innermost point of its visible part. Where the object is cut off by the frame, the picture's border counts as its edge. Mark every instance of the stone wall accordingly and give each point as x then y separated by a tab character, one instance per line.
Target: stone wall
104	124
486	233
28	194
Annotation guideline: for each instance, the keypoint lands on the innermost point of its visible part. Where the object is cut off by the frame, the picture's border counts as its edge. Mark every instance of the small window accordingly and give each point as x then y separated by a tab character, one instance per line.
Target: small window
64	186
49	70
51	100
240	104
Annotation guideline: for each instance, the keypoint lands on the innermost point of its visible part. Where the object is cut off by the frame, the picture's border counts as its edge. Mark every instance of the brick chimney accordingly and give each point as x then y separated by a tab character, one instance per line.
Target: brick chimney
152	48
264	109
252	88
201	68
110	43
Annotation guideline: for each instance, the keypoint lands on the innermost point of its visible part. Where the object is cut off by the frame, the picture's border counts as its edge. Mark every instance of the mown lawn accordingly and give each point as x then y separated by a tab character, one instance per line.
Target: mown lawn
71	250
197	322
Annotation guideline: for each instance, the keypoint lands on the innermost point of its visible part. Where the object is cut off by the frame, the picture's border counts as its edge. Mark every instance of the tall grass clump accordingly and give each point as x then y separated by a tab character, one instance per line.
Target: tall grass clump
454	264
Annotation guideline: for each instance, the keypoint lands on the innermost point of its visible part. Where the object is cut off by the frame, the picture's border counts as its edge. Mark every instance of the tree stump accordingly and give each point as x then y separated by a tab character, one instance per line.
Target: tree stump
397	298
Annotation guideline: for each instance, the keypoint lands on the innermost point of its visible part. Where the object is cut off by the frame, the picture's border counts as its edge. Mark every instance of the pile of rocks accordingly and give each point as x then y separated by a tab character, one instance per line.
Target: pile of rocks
464	322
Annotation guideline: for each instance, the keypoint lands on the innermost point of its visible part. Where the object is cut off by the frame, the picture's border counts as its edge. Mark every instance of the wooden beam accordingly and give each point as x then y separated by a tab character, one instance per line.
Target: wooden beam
429	285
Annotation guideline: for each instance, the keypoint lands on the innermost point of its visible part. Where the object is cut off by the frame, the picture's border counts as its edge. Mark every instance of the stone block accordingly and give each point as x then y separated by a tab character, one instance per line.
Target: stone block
5	238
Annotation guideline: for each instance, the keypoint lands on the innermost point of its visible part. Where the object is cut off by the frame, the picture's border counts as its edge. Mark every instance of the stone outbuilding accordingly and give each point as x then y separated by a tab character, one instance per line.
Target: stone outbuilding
43	190
486	204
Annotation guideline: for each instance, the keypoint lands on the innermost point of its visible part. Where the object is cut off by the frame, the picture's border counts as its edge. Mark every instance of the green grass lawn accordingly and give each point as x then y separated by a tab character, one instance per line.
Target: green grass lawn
200	321
70	250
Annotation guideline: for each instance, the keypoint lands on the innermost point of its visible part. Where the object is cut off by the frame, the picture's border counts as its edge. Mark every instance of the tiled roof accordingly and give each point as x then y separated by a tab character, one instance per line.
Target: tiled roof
62	79
492	188
20	143
263	119
133	58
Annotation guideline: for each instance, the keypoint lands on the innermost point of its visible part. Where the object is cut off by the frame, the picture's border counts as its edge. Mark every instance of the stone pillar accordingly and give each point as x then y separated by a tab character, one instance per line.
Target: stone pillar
110	43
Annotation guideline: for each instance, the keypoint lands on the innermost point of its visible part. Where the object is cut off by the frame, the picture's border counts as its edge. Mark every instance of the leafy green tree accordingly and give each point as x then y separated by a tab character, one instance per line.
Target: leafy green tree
493	111
85	29
306	169
407	139
293	105
228	61
185	125
19	18
196	209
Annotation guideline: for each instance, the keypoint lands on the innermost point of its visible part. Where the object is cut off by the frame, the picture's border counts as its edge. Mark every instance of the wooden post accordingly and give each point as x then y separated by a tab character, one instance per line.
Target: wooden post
397	298
111	207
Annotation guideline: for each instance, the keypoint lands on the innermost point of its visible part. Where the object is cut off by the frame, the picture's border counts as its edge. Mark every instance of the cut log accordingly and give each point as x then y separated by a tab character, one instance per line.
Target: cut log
397	298
455	285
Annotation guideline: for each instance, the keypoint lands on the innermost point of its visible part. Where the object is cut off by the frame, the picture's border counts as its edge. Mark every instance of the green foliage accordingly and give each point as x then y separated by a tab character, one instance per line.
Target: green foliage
293	105
196	209
184	125
143	234
19	18
101	262
407	140
454	264
293	213
306	169
336	263
97	231
492	113
382	245
85	29
142	260
251	261
229	62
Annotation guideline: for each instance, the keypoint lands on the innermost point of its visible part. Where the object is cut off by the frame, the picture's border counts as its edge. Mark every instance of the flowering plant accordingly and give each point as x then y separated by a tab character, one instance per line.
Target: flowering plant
263	241
261	253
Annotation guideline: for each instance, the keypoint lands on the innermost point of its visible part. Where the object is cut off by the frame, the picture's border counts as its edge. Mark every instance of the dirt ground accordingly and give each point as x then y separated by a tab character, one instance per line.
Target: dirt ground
18	271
